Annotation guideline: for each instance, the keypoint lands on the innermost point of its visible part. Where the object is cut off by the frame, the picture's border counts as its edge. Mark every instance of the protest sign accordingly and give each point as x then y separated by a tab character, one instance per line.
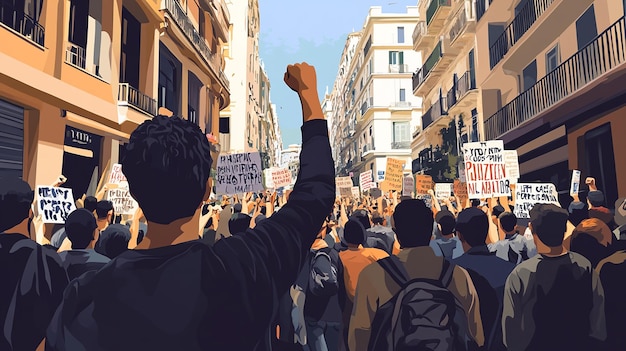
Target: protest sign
428	200
408	185
460	189
462	174
394	174
366	180
376	193
528	195
117	176
512	165
281	177
423	183
356	194
267	178
239	173
381	176
54	204
575	186
123	203
485	169
443	190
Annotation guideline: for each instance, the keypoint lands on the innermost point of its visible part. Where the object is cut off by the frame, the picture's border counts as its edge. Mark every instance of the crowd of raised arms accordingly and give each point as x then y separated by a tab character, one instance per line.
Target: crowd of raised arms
305	269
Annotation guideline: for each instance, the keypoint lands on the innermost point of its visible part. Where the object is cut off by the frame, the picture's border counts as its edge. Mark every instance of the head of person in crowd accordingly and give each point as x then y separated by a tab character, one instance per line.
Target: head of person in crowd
113	241
548	224
620	212
353	233
377	218
475	203
81	229
472	227
508	222
495	214
90	203
578	212
595	198
445	222
363	217
168	158
104	211
237	208
259	218
16	198
413	223
239	223
592	238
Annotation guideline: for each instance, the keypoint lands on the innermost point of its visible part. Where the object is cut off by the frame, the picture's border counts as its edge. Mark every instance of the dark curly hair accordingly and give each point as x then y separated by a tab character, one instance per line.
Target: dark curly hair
167	164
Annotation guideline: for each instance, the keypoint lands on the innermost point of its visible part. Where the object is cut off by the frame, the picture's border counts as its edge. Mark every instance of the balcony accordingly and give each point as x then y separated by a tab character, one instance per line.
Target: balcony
433	117
436	15
75	55
522	22
129	96
464	27
22	23
425	79
421	37
219	14
463	94
173	9
416	131
602	55
400	145
401	104
403	68
481	7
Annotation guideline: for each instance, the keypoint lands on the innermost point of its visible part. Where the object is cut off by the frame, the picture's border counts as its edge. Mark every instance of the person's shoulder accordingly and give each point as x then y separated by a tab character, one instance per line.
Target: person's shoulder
374	253
372	272
580	260
528	266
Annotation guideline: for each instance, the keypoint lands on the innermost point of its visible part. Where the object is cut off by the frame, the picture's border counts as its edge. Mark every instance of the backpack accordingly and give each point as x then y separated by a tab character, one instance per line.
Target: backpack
423	315
323	279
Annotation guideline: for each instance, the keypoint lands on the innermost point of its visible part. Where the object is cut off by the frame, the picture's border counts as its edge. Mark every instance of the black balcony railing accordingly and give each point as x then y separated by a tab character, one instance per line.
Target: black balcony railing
527	16
433	7
420	76
126	93
463	85
440	108
427	118
22	23
451	96
604	53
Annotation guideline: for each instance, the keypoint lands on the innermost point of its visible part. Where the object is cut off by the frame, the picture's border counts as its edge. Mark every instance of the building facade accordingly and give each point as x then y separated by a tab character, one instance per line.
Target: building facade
373	110
445	36
77	77
551	75
290	159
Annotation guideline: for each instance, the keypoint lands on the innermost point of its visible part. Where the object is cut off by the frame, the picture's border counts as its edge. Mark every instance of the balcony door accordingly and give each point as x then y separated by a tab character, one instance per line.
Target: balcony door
529	76
472	69
169	80
131	44
586	28
600	161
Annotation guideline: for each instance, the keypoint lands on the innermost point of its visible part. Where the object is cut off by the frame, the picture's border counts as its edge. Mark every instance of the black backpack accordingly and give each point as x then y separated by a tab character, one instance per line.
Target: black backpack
323	279
423	315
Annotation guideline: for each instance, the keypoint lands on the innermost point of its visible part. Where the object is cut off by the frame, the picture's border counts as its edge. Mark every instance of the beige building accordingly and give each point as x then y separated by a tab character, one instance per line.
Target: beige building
77	77
552	87
446	81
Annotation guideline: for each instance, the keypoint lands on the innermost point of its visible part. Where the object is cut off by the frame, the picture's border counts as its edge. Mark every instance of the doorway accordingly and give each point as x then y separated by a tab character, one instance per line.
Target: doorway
81	161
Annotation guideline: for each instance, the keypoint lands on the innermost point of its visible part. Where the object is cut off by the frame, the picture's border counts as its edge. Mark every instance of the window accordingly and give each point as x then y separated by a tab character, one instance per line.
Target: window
193	98
367	47
131	41
600	161
552	59
474	125
79	13
529	75
402	94
586	29
401	132
400	35
201	24
396	57
209	123
169	80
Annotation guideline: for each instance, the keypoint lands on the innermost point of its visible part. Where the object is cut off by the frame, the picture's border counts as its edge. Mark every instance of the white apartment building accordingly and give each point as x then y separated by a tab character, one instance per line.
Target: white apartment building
445	37
290	158
373	110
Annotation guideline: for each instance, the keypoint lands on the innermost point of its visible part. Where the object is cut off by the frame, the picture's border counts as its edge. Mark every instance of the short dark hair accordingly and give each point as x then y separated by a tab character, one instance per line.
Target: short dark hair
578	215
508	221
239	223
447	222
16	197
90	203
497	211
113	241
473	225
167	164
549	223
354	232
363	217
237	208
102	208
413	223
475	202
377	218
79	226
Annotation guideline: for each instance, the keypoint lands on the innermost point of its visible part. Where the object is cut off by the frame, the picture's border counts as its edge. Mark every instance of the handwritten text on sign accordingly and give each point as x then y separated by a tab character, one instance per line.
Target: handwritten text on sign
443	190
512	165
123	203
117	176
460	189
281	177
485	169
423	183
528	195
55	204
408	185
366	180
393	174
239	173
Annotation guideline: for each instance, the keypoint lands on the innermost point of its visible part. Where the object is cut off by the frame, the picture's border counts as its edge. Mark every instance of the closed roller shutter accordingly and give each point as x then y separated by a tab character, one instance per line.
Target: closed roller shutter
11	139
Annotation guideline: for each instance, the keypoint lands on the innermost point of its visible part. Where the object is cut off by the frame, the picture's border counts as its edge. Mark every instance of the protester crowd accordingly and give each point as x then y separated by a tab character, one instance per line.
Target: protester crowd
306	269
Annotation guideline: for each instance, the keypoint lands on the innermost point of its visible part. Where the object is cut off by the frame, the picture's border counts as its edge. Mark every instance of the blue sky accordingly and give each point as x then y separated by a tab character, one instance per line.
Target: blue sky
311	31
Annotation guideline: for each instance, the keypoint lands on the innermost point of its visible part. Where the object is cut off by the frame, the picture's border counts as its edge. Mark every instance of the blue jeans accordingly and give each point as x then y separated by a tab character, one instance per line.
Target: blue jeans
322	336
